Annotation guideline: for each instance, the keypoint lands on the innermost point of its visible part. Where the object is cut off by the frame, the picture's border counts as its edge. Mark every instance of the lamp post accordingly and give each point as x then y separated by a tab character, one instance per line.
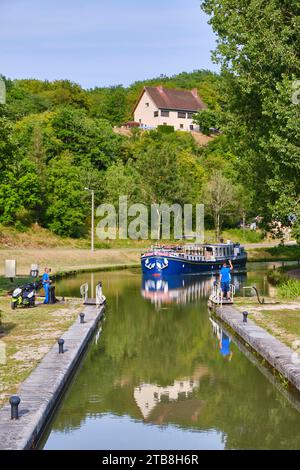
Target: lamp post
92	222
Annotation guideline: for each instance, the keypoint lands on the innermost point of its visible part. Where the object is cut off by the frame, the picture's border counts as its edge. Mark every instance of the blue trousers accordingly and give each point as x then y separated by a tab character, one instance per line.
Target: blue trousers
46	289
225	286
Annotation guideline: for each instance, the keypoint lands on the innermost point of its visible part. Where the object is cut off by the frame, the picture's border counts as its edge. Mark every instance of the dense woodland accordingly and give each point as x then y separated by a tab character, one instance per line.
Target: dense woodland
57	138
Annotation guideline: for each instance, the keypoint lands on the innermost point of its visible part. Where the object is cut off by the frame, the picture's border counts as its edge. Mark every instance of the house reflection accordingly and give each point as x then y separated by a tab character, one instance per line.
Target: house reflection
156	403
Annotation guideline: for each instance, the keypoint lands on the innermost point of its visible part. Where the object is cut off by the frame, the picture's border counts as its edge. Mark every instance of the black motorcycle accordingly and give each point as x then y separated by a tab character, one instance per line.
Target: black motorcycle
24	295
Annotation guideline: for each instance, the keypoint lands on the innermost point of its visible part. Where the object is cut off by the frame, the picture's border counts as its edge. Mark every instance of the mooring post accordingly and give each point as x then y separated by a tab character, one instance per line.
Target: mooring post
245	317
14	403
82	315
61	346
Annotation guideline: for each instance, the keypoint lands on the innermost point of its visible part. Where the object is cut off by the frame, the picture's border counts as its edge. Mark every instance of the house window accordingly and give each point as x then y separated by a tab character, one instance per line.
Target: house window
181	126
165	124
191	127
191	115
155	113
165	113
147	105
181	115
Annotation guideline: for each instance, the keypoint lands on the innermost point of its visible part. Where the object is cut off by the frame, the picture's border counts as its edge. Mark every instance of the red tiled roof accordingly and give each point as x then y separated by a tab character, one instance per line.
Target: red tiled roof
167	98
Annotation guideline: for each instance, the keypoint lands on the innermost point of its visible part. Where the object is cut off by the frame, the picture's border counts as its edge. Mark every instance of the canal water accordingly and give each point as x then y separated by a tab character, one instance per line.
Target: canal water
160	374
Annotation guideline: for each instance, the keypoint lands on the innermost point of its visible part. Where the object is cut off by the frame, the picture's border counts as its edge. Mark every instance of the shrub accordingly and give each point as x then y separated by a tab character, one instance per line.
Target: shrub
165	129
276	277
289	289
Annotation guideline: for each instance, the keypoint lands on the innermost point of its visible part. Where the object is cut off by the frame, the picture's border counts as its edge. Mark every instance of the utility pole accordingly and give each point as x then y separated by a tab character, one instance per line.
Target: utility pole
93	224
93	217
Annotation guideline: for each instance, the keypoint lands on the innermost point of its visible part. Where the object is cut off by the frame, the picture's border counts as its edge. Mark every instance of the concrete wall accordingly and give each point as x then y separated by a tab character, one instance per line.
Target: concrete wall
144	114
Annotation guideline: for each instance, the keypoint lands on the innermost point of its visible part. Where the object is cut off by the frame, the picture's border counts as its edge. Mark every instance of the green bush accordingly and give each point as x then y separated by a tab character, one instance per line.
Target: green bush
165	129
276	277
289	290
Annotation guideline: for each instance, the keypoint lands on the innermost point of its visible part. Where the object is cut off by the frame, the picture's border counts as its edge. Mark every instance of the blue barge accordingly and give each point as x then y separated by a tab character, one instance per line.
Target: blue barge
163	260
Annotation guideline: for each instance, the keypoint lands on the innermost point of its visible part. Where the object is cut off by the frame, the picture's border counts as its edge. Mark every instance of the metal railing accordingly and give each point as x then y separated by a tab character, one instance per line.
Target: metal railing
84	289
216	295
100	298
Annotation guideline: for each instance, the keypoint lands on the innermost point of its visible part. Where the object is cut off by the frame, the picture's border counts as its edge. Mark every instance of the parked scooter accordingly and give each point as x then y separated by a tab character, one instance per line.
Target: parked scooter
25	295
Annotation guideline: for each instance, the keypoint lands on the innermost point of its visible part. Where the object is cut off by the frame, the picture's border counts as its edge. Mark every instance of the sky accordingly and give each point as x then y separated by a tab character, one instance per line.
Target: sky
103	42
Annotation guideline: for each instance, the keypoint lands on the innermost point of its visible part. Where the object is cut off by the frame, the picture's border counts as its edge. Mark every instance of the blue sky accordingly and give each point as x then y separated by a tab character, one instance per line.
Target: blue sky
103	42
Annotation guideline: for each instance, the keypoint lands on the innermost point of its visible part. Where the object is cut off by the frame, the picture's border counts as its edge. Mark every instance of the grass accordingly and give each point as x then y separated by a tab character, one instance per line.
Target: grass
34	236
289	290
239	235
284	324
276	253
287	287
38	237
7	285
68	259
26	335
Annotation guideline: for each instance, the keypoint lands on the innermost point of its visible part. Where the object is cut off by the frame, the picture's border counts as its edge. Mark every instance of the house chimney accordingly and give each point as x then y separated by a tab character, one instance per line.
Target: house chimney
160	88
195	92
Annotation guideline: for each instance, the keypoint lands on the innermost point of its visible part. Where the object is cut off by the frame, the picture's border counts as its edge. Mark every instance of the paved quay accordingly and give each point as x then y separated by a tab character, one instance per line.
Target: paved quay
277	354
41	391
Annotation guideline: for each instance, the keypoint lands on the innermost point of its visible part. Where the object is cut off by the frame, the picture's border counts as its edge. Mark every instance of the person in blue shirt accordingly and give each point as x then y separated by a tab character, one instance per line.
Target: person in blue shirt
225	278
46	284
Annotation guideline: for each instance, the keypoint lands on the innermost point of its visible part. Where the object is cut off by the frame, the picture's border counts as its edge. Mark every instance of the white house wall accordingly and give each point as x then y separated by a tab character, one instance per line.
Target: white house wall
144	115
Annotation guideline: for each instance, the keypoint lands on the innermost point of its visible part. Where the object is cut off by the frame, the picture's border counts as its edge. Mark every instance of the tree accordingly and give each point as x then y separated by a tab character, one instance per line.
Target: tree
66	209
207	120
87	139
220	199
258	49
121	180
110	104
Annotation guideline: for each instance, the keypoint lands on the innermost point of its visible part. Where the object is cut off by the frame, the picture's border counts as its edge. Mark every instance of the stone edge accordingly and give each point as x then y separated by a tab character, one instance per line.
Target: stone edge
41	391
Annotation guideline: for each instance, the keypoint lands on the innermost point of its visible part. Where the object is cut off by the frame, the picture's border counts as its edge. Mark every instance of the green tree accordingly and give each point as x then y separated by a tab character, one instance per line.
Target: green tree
87	139
219	196
258	49
206	120
66	207
110	104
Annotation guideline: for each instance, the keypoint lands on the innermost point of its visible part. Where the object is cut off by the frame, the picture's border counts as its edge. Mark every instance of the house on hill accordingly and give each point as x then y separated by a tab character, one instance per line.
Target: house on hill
158	106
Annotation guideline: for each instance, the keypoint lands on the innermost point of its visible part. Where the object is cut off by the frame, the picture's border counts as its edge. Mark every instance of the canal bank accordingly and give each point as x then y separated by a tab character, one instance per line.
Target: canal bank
282	358
158	378
41	391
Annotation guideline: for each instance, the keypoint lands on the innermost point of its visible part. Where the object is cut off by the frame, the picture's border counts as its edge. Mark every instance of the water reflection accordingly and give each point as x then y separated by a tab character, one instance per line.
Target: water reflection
162	378
224	340
166	399
182	289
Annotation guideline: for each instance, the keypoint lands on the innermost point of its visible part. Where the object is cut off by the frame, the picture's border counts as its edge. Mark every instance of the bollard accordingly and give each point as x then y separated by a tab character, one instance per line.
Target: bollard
82	315
245	317
61	346
14	403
